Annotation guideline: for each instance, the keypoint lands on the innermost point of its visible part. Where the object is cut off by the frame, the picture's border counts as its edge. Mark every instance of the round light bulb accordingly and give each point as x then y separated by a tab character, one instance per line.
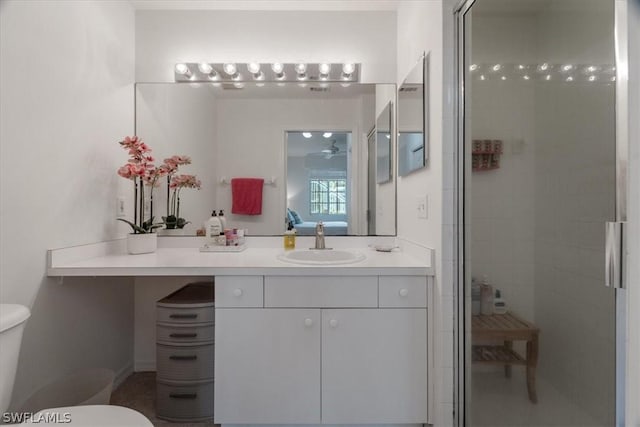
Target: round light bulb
182	69
307	134
503	77
205	68
520	67
229	68
324	68
526	77
348	68
301	68
570	79
482	77
548	77
253	67
567	67
497	67
592	78
327	134
277	67
544	66
473	67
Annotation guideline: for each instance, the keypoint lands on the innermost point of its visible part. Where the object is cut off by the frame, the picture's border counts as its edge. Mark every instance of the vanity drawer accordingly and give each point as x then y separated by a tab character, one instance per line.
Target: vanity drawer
184	363
185	403
239	291
321	291
184	315
193	333
403	291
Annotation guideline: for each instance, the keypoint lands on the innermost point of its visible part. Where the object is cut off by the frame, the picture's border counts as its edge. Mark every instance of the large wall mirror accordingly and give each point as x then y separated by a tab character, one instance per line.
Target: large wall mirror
413	147
309	143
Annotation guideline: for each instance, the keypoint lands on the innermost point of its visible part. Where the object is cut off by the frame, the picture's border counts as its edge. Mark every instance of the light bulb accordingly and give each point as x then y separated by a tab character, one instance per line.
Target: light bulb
526	77
473	67
567	67
205	68
324	68
327	134
277	67
183	69
613	79
348	68
592	78
497	67
548	77
520	67
570	79
301	68
306	134
253	67
503	77
544	67
591	68
229	68
482	77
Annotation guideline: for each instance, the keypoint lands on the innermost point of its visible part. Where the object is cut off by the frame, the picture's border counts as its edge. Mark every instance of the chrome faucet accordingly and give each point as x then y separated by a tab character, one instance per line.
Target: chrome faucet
319	235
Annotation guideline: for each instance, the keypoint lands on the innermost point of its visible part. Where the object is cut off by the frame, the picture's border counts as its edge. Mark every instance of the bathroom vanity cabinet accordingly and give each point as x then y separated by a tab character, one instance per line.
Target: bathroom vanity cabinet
321	349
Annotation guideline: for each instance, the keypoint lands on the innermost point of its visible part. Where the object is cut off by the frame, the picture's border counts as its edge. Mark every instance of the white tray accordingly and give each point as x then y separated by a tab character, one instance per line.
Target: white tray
216	248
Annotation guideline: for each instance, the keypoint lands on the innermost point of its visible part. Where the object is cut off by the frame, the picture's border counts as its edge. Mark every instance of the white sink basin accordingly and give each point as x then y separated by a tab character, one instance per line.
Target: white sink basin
322	257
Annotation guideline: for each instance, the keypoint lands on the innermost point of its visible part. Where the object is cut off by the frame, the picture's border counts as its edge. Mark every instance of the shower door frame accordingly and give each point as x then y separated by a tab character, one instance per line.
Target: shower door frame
462	322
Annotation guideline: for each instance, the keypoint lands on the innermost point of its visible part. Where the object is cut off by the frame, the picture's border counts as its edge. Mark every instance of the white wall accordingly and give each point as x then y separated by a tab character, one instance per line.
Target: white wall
420	29
66	74
166	37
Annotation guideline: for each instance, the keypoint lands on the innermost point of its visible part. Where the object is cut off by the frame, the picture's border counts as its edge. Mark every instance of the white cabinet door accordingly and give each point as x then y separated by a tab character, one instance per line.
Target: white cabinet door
374	366
267	366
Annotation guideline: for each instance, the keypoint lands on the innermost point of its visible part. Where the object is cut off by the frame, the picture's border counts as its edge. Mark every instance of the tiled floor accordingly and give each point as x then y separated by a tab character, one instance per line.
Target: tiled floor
138	392
500	401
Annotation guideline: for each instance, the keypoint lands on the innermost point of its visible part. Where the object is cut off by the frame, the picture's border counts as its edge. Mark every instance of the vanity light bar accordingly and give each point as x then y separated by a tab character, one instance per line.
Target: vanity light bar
544	71
266	72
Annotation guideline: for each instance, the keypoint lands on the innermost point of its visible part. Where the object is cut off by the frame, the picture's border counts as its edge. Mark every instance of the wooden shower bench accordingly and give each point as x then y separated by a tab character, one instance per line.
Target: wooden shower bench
506	328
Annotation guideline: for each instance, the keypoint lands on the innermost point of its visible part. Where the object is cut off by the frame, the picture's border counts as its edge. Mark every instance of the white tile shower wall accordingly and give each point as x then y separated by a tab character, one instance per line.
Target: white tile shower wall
364	37
58	185
420	29
575	181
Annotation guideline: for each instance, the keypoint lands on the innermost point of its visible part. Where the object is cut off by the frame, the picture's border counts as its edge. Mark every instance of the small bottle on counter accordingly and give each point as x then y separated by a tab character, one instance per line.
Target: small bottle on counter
221	240
290	239
223	219
213	228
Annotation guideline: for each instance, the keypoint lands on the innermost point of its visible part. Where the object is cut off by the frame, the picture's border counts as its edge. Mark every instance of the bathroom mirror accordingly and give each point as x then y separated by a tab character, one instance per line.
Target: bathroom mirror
412	126
257	131
384	143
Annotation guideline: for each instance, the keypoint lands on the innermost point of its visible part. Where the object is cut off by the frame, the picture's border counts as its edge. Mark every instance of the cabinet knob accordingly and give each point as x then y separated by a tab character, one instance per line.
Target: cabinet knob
403	292
308	322
237	292
333	323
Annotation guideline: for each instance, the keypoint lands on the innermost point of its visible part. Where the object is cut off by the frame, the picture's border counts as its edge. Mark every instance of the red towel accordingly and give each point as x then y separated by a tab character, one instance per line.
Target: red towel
247	196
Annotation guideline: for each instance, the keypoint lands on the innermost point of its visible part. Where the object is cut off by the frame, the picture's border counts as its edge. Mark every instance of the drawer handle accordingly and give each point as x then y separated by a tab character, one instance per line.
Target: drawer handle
333	323
189	357
191	335
183	395
308	322
403	292
237	292
183	316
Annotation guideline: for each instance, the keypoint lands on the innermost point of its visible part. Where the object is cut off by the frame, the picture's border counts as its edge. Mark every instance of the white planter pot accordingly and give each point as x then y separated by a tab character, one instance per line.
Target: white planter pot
142	243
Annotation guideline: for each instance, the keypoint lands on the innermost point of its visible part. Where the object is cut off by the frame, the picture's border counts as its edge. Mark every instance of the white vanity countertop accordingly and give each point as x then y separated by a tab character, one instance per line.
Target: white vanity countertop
110	259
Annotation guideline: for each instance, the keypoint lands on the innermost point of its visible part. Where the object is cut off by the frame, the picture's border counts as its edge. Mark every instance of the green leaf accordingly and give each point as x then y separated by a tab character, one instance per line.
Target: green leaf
136	228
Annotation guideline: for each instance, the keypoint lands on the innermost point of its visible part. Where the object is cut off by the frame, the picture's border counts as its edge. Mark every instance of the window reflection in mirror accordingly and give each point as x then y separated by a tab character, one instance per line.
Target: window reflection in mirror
318	181
412	154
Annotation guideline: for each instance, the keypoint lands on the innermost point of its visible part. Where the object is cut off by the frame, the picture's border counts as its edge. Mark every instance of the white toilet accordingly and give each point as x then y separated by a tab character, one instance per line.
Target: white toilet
13	317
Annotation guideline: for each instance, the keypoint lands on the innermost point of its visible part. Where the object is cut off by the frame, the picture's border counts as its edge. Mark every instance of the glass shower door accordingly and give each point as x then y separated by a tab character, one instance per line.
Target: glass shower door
540	184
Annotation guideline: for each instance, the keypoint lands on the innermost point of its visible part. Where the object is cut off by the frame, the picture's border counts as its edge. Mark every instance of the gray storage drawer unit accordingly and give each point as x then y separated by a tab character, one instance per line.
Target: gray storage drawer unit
184	354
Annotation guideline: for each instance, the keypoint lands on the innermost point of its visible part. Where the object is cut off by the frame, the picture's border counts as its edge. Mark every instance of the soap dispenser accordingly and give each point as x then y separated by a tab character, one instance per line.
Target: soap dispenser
223	220
213	228
290	238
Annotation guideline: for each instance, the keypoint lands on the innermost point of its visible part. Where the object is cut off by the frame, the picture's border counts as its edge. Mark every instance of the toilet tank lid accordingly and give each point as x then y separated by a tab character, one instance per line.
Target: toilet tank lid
12	315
